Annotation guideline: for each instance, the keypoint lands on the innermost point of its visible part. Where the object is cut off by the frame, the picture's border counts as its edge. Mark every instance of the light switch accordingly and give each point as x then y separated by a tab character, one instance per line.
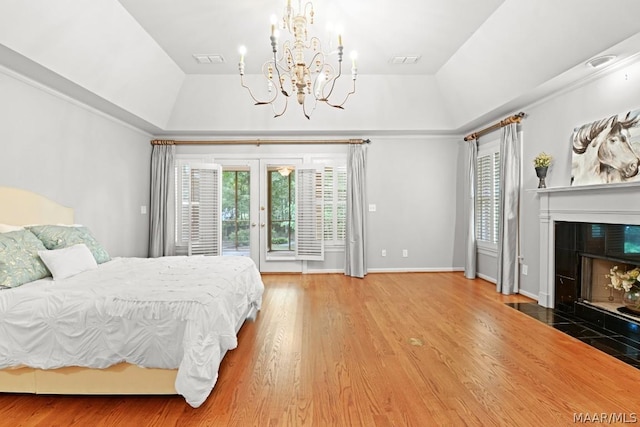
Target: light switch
143	210
372	208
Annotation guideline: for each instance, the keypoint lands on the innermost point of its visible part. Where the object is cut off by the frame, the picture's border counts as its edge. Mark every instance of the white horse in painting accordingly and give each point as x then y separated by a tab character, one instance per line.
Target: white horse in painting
602	152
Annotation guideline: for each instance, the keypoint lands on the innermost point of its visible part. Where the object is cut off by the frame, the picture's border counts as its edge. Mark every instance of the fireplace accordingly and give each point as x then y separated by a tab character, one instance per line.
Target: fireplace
582	221
583	232
585	253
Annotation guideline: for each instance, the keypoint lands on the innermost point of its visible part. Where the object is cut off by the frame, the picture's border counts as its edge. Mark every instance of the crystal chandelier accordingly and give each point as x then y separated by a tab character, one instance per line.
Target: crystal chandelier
301	67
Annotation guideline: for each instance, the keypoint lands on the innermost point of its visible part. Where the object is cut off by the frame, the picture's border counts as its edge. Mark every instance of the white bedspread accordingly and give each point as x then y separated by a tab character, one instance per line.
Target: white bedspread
171	312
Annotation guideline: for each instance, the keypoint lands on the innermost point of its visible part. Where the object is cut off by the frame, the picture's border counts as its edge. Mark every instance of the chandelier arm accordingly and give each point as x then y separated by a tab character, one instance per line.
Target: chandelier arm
304	111
288	50
273	108
275	62
319	53
305	10
333	83
257	101
353	90
310	42
315	104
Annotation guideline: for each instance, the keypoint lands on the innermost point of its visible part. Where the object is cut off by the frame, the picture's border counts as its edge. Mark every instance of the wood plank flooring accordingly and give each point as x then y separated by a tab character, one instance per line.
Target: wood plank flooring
414	349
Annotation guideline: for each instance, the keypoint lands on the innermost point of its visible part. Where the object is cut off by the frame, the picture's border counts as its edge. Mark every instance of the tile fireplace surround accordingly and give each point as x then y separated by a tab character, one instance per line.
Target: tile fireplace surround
605	204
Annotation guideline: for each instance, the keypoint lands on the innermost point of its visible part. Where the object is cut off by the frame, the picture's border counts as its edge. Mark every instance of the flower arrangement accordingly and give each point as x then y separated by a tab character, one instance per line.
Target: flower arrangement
542	160
623	280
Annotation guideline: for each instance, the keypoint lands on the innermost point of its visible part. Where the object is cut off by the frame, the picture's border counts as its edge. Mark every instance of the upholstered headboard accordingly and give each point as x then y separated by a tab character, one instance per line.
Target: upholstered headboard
22	207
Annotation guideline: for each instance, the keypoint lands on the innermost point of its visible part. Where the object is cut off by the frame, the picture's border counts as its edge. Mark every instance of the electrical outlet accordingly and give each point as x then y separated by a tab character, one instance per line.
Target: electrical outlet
405	253
372	208
384	252
525	269
143	210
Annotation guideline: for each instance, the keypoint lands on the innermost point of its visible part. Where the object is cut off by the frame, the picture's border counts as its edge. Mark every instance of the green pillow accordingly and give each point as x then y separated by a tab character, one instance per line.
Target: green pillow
61	236
19	259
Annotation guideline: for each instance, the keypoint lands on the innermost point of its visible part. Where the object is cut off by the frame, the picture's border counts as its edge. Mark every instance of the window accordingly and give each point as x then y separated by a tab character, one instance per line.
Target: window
235	211
324	194
334	199
488	194
282	209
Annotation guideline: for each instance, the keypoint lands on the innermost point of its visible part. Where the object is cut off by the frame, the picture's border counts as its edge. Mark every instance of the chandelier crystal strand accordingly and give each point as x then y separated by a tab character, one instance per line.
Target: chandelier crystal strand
288	71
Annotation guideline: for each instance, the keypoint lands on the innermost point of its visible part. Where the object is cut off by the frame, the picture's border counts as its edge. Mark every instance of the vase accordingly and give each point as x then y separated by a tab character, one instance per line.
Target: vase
631	299
541	172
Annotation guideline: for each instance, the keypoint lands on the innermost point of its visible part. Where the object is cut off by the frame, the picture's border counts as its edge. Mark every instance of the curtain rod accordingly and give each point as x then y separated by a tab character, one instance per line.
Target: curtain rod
513	119
259	142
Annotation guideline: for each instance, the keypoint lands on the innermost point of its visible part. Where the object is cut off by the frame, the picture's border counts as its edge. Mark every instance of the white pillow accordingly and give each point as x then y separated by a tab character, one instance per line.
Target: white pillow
69	261
6	228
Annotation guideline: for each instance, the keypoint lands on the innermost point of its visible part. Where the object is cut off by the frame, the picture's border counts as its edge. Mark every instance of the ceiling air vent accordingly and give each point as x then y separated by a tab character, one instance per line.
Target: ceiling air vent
405	59
208	59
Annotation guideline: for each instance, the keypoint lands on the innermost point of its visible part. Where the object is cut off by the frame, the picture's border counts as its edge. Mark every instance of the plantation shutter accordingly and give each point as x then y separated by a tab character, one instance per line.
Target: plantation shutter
309	213
199	226
496	195
484	199
335	203
488	197
341	202
329	214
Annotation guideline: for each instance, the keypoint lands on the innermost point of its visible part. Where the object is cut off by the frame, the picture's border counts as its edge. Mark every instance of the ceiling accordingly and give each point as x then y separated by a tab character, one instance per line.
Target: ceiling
378	30
478	59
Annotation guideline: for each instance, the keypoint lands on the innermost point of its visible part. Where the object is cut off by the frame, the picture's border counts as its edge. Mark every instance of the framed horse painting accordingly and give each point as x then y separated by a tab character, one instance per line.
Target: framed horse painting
607	150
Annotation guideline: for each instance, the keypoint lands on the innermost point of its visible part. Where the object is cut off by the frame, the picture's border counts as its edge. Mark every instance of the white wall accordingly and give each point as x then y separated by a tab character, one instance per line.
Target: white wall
99	46
382	103
79	158
548	127
517	50
413	181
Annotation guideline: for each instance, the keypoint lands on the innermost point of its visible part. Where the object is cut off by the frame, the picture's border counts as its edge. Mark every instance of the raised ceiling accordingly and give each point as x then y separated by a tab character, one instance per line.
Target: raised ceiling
377	29
478	59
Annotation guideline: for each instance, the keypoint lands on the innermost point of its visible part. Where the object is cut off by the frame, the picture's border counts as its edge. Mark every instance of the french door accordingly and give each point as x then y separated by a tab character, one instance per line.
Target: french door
258	212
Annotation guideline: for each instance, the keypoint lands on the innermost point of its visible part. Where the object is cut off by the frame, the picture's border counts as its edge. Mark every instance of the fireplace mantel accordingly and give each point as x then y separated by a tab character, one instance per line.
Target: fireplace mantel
622	186
610	204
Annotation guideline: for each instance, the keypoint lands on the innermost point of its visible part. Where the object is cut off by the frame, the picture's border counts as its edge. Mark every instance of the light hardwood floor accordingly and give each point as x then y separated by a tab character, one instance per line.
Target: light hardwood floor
414	349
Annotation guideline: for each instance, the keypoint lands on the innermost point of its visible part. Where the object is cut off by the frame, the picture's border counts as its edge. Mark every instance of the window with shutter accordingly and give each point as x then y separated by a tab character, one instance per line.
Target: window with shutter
198	222
487	194
335	204
309	213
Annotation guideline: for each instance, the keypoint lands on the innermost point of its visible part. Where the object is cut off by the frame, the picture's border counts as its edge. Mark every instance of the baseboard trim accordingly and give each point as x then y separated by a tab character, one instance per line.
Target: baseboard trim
487	278
415	270
528	294
380	270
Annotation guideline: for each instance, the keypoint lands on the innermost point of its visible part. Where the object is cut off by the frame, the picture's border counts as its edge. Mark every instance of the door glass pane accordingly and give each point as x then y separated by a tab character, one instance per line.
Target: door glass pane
235	212
282	228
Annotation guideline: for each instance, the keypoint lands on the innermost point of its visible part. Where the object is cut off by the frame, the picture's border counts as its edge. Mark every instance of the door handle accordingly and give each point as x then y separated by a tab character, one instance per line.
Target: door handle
262	224
253	224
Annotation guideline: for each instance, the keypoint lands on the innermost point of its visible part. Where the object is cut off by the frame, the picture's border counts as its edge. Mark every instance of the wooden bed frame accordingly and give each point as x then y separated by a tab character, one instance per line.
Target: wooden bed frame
20	207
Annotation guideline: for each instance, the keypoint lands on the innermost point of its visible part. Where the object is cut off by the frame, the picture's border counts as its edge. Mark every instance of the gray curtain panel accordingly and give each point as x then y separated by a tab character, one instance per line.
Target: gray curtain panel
354	247
162	209
508	233
471	244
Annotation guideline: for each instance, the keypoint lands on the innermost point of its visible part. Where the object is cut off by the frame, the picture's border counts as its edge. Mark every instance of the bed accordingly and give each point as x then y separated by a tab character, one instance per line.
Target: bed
127	326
